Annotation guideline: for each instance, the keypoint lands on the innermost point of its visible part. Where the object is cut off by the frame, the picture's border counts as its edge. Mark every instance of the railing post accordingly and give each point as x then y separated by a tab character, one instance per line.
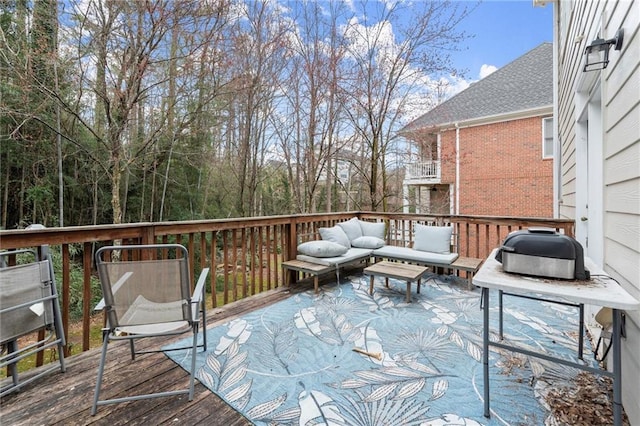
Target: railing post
148	235
292	230
86	297
66	294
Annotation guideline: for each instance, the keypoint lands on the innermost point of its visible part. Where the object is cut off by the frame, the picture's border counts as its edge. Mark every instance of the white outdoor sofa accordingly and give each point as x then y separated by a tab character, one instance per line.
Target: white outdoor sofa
356	240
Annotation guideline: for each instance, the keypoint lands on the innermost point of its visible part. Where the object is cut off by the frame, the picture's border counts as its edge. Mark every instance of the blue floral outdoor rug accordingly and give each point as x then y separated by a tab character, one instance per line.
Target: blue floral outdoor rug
293	362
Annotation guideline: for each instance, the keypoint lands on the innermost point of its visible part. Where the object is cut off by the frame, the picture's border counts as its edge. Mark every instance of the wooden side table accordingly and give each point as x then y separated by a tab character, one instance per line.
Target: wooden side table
313	269
396	270
470	265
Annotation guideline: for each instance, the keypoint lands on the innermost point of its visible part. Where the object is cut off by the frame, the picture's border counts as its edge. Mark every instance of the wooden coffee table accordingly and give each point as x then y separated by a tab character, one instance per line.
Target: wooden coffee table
396	270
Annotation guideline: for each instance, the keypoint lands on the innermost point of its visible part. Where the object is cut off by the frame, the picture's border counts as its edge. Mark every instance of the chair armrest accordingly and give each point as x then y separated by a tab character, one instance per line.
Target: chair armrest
198	293
114	290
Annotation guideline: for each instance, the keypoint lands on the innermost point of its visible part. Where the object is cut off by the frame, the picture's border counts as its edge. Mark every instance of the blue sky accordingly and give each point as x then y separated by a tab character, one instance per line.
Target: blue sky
504	30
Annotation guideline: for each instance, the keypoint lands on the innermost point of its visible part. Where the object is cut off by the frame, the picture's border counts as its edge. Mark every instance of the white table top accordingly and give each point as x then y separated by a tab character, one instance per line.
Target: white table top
599	290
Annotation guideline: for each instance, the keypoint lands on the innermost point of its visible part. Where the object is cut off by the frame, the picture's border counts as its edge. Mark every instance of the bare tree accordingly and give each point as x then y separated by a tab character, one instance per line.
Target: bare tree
127	61
312	92
388	58
258	44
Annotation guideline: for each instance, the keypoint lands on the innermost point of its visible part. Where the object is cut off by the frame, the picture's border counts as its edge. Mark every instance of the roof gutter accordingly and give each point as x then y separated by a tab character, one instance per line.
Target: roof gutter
490	119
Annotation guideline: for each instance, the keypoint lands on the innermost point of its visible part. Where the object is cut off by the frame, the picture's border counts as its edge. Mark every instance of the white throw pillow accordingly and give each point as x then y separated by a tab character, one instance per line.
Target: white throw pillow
368	242
321	249
336	235
352	228
372	229
434	239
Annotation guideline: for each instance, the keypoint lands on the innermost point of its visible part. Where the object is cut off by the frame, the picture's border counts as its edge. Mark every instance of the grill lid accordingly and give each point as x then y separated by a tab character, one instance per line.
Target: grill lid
545	243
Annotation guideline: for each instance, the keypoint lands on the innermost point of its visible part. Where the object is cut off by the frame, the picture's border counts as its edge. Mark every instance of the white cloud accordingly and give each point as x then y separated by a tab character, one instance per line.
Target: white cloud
485	70
456	85
349	4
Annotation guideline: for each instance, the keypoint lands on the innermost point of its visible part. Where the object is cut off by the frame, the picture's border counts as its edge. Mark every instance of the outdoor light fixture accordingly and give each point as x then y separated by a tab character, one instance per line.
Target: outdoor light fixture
598	52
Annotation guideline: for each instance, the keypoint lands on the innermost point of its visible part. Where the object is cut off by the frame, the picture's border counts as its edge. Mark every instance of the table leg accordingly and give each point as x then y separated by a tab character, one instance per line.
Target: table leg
371	278
287	277
485	350
12	346
617	369
581	331
419	285
386	282
408	291
315	283
500	316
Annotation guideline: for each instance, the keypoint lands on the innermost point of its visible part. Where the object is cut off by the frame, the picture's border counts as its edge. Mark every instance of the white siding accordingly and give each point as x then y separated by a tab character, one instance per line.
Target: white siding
580	22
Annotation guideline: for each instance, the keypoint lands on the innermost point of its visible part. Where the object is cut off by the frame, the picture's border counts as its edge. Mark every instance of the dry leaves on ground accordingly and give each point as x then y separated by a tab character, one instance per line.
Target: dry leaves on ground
587	400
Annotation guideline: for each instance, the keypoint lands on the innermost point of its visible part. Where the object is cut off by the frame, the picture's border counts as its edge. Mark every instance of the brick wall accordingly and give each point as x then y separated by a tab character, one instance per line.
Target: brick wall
502	172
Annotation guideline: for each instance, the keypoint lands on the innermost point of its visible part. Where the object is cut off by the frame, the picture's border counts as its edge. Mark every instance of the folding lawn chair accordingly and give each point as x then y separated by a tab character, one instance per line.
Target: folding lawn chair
28	305
147	293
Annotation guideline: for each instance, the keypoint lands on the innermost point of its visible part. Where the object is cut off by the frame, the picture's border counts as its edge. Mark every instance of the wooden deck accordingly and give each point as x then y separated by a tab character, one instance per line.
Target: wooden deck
66	398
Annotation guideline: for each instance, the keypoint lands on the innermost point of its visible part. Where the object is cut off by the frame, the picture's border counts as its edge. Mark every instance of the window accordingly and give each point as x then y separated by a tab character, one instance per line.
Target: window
547	137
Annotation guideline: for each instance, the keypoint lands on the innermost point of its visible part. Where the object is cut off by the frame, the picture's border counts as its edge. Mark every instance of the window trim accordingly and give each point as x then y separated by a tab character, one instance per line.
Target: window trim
547	155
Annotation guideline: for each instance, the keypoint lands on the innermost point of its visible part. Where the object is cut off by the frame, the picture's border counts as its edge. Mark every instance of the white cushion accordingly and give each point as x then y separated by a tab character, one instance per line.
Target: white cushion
336	235
434	239
368	242
407	254
352	255
352	228
372	229
322	249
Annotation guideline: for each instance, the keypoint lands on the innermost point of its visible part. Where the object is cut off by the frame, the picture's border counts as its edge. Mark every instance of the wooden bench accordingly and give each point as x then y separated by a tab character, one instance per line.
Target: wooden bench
470	265
316	266
312	269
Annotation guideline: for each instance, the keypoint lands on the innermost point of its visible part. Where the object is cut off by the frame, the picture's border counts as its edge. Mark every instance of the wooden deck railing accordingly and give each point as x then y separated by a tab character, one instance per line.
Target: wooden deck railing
244	255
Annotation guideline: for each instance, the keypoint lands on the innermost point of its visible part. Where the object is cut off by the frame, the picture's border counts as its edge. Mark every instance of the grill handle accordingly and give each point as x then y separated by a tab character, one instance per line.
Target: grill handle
542	230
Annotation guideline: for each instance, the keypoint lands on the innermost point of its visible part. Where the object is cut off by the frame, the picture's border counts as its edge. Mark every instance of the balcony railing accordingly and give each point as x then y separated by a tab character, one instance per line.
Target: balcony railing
423	170
244	254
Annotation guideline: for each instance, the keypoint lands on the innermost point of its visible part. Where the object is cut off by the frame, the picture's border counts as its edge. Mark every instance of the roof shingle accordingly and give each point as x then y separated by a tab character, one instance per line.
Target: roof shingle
525	83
